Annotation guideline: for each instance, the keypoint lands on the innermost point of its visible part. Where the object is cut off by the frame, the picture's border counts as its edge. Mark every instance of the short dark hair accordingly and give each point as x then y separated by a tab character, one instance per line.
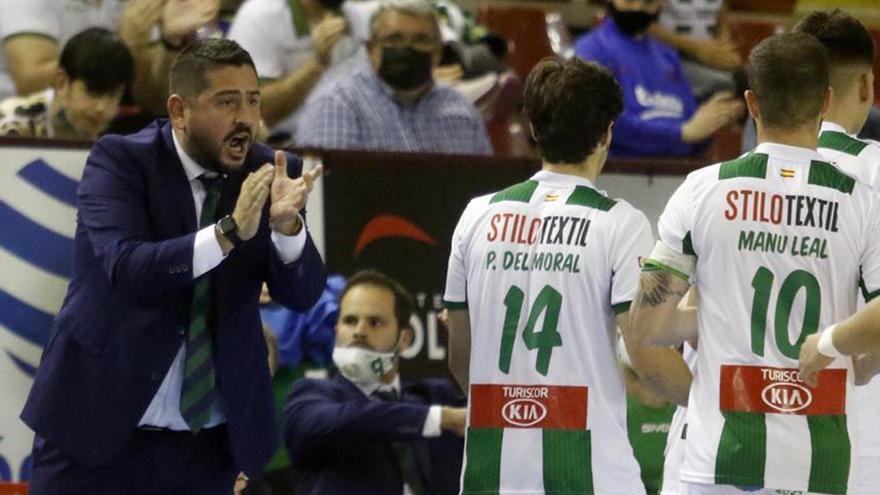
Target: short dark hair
189	70
403	301
570	104
789	75
844	37
100	59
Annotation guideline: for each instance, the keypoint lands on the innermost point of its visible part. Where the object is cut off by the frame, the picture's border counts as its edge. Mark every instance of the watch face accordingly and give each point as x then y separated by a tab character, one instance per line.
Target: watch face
226	225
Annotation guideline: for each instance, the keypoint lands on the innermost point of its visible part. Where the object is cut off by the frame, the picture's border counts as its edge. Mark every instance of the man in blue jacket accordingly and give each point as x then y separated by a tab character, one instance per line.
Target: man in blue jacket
154	380
361	432
660	115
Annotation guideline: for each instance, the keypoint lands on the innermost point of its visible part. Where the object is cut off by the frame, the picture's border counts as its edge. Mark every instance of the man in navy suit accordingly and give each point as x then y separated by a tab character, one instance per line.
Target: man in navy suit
154	379
360	432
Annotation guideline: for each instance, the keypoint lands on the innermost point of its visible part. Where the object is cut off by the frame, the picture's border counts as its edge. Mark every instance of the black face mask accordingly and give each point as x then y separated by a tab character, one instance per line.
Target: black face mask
404	68
632	22
333	5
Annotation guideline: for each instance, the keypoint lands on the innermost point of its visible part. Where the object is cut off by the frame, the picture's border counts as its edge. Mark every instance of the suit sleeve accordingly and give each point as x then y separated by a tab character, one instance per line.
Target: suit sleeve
315	419
112	210
297	285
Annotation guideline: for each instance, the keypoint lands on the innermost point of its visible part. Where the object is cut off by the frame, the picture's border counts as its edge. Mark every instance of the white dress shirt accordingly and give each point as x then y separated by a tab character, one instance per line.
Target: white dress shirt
164	410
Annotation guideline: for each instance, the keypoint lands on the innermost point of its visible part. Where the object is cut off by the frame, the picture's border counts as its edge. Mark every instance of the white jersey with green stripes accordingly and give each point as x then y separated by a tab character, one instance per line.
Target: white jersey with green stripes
781	238
861	159
543	267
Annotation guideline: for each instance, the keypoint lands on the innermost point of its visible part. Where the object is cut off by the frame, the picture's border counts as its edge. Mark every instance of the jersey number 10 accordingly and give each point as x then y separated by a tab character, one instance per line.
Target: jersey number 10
762	282
549	302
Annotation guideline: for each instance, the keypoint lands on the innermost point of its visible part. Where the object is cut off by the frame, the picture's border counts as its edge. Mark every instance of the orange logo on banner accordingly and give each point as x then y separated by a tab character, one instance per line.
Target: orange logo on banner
763	389
529	406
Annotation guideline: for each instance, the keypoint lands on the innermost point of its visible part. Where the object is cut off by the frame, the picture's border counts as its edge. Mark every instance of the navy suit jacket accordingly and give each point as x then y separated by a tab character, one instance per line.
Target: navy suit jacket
127	307
340	442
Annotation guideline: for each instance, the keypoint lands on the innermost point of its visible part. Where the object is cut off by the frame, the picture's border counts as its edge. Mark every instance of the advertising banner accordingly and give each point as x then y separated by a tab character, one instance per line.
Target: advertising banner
38	219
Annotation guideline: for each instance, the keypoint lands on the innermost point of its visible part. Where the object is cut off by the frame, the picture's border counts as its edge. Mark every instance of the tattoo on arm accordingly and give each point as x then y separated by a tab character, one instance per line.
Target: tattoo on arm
655	289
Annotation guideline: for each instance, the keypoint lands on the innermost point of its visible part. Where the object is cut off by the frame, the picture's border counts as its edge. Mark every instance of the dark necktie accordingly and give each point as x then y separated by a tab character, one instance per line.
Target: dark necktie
403	451
198	390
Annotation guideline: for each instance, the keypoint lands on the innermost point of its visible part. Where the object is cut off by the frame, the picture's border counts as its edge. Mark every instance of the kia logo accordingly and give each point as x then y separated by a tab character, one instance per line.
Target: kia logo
787	397
524	412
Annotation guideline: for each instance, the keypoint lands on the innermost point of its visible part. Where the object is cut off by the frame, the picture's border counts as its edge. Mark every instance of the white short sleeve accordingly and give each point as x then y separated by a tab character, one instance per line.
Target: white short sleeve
870	259
257	27
632	243
31	16
455	296
676	222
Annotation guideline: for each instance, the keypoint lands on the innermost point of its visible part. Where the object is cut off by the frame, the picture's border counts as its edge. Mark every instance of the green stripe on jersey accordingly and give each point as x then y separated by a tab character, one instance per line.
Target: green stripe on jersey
867	295
455	305
751	165
742	450
829	467
841	142
621	307
687	245
521	192
591	198
482	471
568	468
827	175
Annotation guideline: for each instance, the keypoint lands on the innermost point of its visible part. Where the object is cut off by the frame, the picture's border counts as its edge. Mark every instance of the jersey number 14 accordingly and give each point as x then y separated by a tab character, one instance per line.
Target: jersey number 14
548	302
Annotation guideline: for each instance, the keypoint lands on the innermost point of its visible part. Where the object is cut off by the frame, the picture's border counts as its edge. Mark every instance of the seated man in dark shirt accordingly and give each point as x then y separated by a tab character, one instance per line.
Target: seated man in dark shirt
361	432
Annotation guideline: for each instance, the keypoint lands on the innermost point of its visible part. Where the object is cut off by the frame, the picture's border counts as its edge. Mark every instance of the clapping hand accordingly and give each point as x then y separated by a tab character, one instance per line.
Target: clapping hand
182	17
289	196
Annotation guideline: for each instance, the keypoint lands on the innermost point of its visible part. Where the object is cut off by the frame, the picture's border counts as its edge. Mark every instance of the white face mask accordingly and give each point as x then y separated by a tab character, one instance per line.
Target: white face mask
363	366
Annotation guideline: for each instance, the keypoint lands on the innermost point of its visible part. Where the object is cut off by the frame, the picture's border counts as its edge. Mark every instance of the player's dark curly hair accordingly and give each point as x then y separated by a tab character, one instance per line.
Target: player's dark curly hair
100	59
570	104
844	37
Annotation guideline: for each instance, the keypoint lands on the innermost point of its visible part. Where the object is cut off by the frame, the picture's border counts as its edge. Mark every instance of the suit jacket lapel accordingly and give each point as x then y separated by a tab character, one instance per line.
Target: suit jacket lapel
176	186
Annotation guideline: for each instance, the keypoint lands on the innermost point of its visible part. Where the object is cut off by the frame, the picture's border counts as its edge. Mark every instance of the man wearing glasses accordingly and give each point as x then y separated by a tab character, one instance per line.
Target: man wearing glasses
394	104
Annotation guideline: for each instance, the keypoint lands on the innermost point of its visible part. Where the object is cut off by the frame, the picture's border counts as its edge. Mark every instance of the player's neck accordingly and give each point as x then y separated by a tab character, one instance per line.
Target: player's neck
846	116
805	137
589	169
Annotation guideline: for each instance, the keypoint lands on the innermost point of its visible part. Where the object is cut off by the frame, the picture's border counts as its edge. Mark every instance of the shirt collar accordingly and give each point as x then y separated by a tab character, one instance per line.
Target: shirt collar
793	153
369	389
833	127
192	169
562	179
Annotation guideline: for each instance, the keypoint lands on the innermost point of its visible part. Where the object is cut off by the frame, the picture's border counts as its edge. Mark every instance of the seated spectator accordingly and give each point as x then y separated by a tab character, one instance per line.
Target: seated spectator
660	115
33	31
393	103
94	70
293	43
361	431
698	29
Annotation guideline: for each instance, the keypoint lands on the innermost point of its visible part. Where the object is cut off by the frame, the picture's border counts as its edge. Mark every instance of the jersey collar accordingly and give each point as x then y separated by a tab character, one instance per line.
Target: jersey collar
786	152
832	127
562	179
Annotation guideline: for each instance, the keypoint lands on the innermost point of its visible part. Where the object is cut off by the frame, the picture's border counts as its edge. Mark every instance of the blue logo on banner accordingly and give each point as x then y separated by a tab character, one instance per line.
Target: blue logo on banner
38	246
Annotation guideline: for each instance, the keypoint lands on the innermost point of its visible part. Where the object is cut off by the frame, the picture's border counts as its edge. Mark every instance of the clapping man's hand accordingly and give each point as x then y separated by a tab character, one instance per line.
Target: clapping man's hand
249	206
289	196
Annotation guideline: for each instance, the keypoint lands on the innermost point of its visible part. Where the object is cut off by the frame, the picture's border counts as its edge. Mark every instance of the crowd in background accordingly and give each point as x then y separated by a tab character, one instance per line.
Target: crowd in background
332	76
324	83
